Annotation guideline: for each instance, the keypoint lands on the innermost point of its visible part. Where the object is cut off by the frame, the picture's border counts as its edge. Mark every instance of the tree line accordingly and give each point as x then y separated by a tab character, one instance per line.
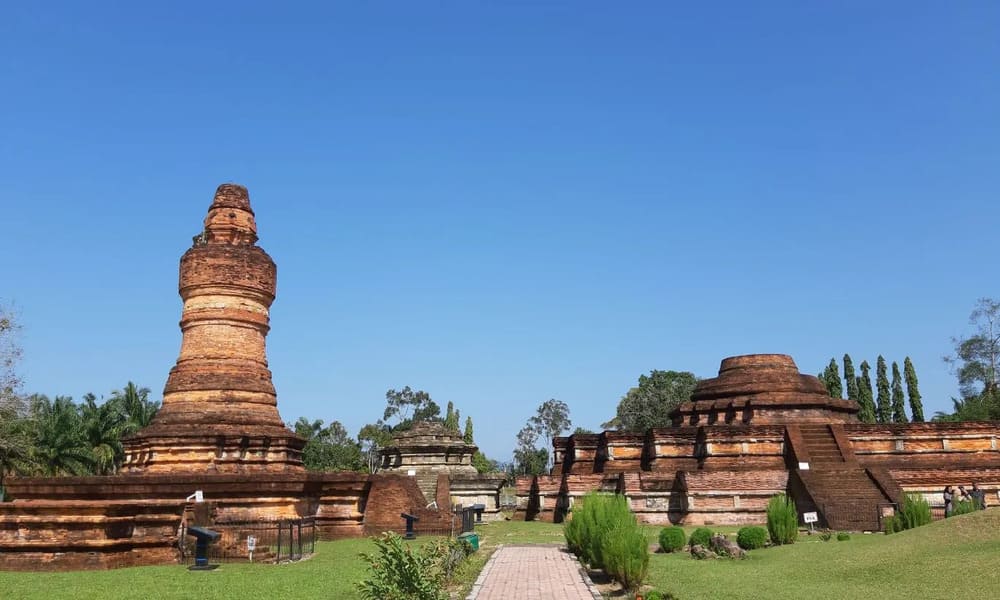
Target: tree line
889	406
52	437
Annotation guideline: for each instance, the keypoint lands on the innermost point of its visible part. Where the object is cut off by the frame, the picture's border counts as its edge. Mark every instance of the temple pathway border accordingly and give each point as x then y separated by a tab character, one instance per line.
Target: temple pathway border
533	571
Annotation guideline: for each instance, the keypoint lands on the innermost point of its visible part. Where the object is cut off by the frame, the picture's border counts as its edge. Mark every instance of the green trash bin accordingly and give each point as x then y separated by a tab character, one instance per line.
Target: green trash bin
471	537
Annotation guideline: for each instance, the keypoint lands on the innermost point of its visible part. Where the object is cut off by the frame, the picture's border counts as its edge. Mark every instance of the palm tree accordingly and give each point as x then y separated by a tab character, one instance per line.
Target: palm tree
103	425
15	441
139	409
60	445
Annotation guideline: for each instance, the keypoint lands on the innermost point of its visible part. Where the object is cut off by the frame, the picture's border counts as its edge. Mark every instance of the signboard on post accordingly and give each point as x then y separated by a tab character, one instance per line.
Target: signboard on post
810	517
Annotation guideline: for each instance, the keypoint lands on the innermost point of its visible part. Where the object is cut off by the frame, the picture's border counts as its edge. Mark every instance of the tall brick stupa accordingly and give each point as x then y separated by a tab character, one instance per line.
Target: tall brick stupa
219	408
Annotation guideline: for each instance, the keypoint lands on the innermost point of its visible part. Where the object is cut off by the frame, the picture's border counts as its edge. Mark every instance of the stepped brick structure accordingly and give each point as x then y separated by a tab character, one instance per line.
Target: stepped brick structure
430	449
219	408
758	429
218	432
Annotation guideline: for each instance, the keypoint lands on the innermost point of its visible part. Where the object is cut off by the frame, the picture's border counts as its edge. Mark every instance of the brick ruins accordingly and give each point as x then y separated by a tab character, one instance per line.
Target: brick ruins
430	449
758	429
218	431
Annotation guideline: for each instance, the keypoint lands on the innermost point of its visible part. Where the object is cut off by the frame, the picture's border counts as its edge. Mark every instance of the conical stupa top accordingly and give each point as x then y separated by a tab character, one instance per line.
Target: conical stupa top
230	219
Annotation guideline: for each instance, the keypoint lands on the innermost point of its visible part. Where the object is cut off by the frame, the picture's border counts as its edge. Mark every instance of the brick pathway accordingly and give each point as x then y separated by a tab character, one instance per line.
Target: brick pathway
533	573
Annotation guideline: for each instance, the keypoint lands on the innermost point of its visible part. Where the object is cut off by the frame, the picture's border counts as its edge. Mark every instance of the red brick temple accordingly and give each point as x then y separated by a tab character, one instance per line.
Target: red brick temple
218	432
758	429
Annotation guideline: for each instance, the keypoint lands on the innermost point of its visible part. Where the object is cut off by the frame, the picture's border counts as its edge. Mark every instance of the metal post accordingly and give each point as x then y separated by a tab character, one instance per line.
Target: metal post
278	558
300	538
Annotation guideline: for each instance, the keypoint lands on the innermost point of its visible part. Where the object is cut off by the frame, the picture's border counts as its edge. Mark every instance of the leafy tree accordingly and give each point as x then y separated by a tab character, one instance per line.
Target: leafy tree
583	431
328	448
483	464
649	403
980	407
551	419
853	389
467	436
528	458
103	425
913	391
15	440
898	402
60	447
372	438
831	379
884	404
977	358
409	407
867	413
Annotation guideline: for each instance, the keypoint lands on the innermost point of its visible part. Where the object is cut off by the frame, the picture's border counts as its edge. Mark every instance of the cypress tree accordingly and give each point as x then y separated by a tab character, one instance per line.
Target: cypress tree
831	378
867	412
916	406
455	422
468	431
451	418
851	378
883	403
898	404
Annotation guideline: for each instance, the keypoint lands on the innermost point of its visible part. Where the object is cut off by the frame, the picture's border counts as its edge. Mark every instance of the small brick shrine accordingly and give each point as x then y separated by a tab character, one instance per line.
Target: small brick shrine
758	429
430	449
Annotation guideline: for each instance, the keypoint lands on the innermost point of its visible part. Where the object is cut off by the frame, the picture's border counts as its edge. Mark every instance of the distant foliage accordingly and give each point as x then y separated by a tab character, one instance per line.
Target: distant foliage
883	403
831	379
914	512
782	520
672	539
700	537
851	379
867	413
898	401
751	538
649	403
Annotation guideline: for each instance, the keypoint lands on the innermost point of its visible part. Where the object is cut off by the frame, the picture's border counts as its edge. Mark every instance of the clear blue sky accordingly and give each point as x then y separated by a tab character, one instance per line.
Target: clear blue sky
502	203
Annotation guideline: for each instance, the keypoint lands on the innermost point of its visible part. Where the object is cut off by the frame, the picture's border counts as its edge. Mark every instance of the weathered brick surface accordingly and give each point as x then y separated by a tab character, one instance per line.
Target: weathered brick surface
219	407
742	438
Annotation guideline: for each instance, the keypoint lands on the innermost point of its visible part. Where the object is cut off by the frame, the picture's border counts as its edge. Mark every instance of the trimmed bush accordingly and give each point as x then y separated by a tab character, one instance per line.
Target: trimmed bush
751	538
782	520
914	512
701	537
625	552
843	536
826	536
672	539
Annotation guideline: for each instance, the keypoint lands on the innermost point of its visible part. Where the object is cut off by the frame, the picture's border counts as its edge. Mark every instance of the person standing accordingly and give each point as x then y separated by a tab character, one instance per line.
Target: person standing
949	500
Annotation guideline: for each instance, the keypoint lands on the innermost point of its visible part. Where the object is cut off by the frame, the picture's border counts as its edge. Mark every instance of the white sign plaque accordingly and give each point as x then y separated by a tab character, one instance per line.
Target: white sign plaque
810	517
803	466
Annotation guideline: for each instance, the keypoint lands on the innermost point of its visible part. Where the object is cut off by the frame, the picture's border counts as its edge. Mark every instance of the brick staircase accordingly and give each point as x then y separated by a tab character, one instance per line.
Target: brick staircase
844	493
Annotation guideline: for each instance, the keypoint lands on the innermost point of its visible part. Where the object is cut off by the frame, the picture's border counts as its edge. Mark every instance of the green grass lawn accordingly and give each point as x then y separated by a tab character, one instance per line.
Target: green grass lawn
956	558
947	559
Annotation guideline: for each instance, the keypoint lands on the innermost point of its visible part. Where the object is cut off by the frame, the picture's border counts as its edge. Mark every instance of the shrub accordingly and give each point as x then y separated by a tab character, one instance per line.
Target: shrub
625	553
843	536
826	536
672	539
782	520
963	507
701	537
751	538
914	513
890	524
396	571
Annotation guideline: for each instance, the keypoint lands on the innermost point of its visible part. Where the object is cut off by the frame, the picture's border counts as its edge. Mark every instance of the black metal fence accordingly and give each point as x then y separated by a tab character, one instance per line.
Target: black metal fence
257	541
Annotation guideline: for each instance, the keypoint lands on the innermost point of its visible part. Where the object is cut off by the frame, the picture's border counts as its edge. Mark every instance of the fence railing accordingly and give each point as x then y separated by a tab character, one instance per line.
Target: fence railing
257	541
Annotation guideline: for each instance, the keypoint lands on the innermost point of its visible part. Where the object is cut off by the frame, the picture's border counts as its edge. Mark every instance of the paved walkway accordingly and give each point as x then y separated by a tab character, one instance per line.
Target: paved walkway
533	573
